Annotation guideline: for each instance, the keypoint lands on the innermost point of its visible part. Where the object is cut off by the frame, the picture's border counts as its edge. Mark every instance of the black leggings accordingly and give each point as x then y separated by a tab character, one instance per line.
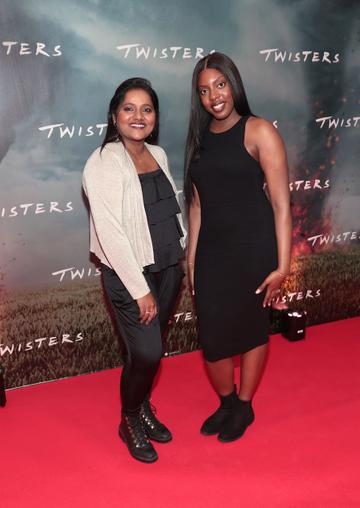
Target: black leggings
143	342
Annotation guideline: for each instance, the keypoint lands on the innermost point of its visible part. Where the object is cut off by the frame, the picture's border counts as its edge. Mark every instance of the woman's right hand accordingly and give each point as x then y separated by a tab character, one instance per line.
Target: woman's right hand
190	273
147	308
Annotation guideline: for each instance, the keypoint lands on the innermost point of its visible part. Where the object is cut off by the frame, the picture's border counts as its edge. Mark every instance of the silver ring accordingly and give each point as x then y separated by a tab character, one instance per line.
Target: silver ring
147	312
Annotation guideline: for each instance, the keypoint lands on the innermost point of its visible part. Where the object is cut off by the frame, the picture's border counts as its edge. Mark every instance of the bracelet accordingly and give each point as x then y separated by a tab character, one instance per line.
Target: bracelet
282	274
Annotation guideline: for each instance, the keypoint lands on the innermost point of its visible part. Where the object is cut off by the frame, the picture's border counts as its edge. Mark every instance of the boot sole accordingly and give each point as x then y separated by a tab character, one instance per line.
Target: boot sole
238	436
140	459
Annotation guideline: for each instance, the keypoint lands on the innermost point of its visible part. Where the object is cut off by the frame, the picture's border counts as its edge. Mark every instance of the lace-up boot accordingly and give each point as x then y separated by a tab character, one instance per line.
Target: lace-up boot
215	422
154	429
133	434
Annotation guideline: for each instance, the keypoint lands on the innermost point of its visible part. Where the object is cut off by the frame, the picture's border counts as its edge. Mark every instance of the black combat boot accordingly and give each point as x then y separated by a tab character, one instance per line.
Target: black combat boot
154	429
133	434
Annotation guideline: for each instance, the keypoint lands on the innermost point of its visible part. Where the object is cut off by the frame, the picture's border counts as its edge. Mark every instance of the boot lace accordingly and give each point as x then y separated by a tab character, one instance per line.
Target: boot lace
137	433
148	415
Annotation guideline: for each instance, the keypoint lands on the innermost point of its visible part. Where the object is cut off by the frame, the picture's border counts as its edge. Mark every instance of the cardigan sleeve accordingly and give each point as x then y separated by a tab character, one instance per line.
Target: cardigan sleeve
102	189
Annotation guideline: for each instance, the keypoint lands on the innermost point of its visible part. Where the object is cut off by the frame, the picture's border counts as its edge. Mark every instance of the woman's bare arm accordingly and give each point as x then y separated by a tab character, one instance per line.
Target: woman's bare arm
273	160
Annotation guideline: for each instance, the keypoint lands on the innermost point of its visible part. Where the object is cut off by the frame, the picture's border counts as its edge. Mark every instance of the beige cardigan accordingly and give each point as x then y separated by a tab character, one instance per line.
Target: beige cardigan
119	232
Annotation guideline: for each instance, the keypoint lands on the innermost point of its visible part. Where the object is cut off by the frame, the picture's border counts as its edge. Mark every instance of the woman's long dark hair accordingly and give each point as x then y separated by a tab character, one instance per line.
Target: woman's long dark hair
200	118
112	133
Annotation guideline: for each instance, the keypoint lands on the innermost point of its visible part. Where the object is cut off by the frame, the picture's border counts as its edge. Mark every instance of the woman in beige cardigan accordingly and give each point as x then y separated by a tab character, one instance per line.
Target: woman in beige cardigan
137	234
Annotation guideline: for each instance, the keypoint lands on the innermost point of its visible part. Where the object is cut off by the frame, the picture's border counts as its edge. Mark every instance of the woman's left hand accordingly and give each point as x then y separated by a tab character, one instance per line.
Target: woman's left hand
272	283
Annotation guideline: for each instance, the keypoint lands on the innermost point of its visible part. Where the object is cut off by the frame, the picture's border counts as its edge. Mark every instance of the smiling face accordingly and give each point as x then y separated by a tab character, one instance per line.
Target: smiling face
135	118
216	97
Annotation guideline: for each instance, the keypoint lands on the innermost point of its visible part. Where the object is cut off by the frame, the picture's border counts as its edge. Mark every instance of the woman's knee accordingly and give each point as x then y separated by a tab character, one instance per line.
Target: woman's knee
147	356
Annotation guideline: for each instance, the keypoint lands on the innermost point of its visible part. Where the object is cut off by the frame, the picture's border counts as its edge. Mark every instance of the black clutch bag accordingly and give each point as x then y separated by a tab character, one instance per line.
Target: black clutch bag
293	325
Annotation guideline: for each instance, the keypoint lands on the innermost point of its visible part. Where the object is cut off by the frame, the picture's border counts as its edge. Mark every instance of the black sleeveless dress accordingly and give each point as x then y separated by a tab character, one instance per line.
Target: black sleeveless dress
236	247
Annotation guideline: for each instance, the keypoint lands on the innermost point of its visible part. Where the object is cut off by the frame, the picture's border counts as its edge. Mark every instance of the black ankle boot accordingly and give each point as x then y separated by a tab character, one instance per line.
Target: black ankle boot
154	429
235	426
134	436
215	422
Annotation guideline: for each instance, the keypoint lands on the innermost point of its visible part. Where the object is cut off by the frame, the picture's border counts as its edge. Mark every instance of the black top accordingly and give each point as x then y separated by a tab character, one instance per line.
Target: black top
234	206
161	208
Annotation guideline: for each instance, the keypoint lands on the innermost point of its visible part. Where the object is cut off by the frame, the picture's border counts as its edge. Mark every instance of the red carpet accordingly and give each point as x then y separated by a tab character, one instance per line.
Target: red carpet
59	444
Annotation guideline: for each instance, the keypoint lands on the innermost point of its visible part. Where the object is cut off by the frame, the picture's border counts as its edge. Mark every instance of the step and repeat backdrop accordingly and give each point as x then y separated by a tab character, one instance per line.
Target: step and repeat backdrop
61	62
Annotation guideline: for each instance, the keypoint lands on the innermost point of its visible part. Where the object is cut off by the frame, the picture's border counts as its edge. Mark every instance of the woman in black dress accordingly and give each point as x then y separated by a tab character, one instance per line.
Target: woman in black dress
239	239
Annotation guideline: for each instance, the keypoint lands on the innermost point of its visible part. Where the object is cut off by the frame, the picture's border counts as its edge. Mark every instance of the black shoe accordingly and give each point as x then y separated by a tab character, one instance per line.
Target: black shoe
134	436
216	421
154	429
235	426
